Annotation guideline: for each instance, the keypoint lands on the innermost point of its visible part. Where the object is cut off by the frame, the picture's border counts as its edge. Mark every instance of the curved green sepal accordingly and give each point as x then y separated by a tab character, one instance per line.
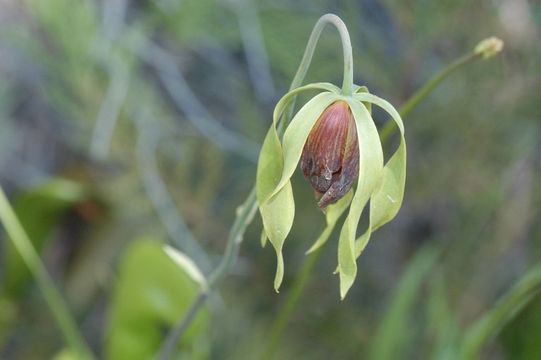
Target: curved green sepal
387	198
277	214
297	132
288	99
332	214
370	172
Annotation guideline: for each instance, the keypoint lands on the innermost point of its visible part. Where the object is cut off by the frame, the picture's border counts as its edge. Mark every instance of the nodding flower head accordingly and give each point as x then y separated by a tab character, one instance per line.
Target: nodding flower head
330	158
336	142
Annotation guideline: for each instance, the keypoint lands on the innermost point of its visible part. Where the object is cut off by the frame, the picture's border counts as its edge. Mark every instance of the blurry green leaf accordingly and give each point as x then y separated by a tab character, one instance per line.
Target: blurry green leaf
394	332
370	170
59	309
520	338
66	354
484	329
39	210
332	214
442	327
151	295
71	34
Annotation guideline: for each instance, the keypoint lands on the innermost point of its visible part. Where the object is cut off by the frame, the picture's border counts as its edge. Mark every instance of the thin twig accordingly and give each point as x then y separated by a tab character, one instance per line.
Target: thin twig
187	102
113	15
160	198
170	343
110	109
254	48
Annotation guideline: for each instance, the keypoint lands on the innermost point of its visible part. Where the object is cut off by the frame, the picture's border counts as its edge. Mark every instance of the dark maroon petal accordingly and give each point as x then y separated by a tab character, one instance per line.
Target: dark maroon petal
330	158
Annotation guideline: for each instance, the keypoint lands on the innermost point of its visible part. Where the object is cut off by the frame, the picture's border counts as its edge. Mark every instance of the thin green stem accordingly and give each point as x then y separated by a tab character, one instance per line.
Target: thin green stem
508	306
170	342
245	215
426	90
52	296
347	83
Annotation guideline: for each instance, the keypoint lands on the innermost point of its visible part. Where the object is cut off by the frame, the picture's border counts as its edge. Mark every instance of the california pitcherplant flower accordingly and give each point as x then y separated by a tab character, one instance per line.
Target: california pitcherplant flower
335	140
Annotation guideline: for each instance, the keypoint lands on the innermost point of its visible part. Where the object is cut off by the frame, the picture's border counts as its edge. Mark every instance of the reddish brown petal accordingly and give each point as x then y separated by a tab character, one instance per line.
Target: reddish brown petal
330	158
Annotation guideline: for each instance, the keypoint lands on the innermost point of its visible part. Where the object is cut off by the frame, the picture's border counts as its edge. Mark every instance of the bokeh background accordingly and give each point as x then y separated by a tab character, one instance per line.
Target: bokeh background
126	120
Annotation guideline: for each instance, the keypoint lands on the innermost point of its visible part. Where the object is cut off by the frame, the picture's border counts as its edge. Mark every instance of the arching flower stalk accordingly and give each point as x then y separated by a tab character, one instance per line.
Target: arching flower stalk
334	138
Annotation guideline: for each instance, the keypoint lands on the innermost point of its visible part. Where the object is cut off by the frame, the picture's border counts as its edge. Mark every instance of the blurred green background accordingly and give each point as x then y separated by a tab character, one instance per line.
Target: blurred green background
126	124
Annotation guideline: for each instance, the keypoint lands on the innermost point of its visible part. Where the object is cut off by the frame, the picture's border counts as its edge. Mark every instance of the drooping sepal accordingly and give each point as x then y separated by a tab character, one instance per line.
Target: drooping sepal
370	172
387	199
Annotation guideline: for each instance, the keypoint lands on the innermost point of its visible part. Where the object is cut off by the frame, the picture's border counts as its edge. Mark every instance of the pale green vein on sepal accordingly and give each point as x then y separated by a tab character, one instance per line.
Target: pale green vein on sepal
297	132
370	171
332	214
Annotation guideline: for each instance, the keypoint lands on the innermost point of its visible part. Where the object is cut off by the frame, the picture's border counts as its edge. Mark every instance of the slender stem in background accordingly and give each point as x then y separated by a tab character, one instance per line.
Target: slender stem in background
110	108
245	215
188	103
52	296
347	83
508	306
427	88
160	198
170	343
254	48
113	16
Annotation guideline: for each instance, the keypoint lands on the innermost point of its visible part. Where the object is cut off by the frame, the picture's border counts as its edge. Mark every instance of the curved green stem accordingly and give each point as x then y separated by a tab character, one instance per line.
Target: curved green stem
347	83
52	296
427	88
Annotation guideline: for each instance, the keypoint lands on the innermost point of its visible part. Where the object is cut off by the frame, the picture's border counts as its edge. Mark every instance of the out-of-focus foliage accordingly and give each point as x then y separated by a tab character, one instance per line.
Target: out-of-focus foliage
88	86
151	294
40	210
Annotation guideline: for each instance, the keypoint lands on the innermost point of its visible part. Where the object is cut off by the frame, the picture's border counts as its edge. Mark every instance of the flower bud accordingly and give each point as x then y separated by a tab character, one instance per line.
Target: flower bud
489	47
330	158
